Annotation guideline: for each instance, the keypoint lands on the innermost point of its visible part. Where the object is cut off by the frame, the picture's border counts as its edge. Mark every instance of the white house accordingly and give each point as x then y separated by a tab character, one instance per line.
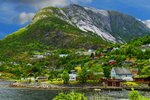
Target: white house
73	76
63	55
39	56
47	53
121	73
29	64
91	50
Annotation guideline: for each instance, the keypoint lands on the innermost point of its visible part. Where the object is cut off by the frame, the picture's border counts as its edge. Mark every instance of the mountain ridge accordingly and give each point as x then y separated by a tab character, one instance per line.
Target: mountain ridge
110	25
54	28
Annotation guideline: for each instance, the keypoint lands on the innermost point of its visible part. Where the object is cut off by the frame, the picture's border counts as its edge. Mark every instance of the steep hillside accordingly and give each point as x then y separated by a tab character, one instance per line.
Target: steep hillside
48	33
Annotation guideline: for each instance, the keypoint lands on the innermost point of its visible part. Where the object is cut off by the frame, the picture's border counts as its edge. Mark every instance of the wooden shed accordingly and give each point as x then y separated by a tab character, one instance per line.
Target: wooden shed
112	82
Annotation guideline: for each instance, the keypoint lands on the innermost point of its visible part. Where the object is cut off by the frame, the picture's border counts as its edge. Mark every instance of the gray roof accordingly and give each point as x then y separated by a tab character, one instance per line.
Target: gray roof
122	71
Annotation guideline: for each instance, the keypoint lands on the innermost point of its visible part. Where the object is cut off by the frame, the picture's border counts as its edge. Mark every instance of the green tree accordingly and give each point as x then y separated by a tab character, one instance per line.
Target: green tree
107	70
24	75
52	75
65	77
36	69
36	75
83	75
97	71
2	68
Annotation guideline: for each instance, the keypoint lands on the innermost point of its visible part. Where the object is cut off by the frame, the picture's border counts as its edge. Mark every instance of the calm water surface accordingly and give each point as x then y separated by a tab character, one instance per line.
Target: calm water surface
7	93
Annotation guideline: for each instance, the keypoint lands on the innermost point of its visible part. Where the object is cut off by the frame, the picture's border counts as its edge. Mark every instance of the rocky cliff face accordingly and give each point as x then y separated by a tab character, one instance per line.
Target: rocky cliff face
110	25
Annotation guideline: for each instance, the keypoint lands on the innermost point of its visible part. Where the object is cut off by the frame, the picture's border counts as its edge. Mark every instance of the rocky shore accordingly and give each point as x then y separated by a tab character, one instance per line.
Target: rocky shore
77	87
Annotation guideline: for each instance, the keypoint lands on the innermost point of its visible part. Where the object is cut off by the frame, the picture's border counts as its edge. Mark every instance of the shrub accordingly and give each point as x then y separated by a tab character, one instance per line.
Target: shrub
134	95
133	84
65	77
70	96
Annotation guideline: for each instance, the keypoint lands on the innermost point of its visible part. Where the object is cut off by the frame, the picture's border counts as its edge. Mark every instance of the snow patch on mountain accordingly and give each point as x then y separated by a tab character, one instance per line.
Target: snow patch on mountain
147	23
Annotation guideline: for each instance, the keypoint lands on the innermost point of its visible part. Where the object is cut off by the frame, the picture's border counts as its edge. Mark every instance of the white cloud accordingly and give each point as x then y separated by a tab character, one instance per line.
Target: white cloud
25	17
58	3
38	4
13	11
78	1
45	3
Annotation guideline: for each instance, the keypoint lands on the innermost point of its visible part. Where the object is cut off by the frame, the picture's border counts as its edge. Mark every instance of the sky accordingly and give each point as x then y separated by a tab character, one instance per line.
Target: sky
15	14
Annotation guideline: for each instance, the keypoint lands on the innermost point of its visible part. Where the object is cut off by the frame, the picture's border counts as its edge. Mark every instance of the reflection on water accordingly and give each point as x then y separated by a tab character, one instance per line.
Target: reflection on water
7	93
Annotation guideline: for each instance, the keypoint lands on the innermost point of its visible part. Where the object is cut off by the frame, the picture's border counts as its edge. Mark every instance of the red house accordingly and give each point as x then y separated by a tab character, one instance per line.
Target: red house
143	80
112	62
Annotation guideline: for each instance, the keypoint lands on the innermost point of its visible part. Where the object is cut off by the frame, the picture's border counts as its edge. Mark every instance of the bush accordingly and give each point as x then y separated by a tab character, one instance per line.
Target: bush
133	84
70	96
134	95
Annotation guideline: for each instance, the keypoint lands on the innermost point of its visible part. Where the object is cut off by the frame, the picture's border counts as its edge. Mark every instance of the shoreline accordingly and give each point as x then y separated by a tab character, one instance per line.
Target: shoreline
67	87
45	86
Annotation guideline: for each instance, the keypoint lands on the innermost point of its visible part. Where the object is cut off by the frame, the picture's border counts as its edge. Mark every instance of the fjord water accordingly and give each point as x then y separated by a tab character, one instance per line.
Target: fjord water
8	93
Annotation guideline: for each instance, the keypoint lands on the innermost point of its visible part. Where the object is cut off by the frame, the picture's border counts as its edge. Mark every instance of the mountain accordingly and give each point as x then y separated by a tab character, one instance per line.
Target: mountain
73	26
110	25
147	23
